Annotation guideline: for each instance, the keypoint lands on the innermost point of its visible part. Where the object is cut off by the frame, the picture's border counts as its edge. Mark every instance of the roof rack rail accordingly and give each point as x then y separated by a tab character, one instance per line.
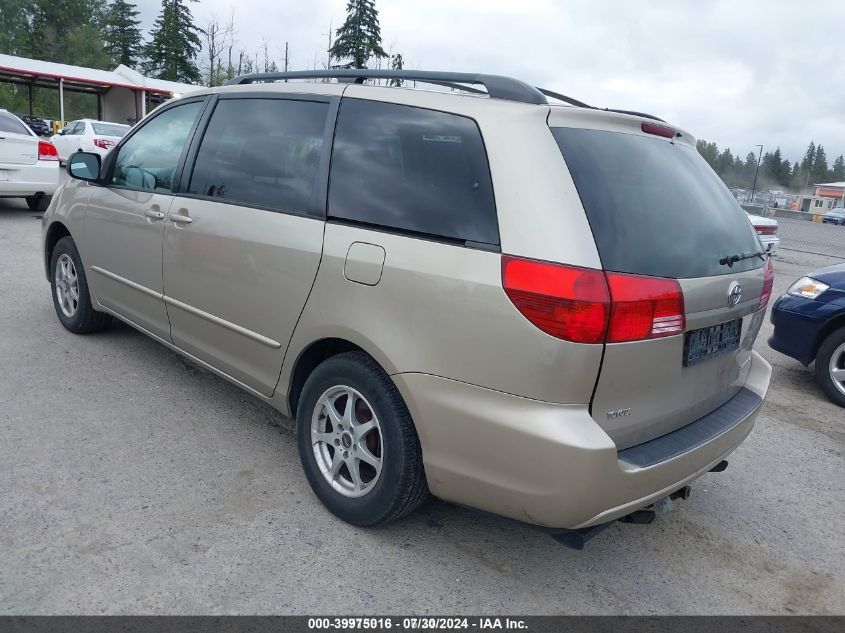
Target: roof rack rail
497	86
565	99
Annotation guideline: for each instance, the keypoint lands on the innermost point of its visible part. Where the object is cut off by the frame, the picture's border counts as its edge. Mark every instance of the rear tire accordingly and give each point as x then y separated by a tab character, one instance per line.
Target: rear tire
362	396
38	203
71	297
829	358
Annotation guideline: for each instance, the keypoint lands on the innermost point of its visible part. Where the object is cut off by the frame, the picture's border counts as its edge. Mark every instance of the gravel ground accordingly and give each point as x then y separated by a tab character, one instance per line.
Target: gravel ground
132	482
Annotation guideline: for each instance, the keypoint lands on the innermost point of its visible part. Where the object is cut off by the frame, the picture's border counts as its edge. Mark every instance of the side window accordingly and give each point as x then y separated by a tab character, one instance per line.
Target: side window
412	169
149	158
262	152
76	129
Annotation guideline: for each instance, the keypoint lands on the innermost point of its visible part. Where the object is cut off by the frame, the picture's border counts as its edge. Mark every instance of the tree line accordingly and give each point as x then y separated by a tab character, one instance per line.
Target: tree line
104	33
776	172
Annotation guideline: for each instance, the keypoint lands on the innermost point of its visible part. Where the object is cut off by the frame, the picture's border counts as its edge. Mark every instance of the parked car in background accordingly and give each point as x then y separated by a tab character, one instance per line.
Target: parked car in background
834	216
29	166
37	125
565	352
767	230
809	325
88	135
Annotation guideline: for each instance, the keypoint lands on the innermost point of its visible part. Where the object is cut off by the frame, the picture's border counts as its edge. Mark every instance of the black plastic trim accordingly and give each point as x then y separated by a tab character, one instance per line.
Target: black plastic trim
695	434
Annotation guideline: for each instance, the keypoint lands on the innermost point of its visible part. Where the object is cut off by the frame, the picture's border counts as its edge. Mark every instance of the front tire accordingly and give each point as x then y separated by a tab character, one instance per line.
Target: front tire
830	366
71	297
357	443
38	203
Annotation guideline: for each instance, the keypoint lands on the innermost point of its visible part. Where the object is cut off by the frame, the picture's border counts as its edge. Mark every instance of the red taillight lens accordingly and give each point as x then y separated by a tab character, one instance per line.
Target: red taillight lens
766	230
567	302
768	282
644	307
583	305
658	130
103	143
47	151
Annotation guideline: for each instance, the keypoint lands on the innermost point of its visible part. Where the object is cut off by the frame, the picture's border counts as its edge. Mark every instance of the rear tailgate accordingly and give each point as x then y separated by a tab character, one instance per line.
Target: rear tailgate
657	210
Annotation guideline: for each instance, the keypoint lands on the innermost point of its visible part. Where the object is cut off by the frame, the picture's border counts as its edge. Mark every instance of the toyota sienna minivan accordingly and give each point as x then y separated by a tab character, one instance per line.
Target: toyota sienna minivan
496	294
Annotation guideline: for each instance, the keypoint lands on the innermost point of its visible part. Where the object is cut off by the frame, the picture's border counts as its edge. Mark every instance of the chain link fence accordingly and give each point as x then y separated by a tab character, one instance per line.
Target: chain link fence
807	232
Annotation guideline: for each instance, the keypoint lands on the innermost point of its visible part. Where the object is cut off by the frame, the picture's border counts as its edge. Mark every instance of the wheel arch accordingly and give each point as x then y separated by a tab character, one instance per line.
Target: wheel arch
831	326
56	231
308	360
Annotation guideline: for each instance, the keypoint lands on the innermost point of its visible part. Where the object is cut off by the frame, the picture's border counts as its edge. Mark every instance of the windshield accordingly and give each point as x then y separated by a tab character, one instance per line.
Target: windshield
110	129
655	207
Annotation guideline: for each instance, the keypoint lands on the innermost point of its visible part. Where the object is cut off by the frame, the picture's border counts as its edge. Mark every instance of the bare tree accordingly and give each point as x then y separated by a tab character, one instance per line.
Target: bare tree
216	36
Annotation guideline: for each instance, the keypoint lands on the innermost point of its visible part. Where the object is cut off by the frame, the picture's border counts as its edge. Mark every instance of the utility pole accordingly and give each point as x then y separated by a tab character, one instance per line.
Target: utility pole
756	171
286	59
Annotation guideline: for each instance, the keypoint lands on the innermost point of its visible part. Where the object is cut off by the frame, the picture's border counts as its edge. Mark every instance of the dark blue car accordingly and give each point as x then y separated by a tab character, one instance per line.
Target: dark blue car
809	325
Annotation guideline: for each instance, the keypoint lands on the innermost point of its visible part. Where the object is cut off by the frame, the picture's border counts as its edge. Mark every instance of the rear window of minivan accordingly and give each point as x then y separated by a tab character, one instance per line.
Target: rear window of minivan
655	207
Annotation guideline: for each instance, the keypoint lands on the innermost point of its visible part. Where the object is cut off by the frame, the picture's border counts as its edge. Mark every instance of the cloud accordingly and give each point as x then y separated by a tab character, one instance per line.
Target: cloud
737	72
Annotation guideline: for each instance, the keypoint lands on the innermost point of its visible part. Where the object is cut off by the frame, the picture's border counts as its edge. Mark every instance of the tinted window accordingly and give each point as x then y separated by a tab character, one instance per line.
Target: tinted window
412	169
8	123
262	152
149	158
110	129
655	207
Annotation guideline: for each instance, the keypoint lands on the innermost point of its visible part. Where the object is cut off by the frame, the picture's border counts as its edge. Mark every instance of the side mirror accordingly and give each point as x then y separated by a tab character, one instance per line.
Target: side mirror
84	166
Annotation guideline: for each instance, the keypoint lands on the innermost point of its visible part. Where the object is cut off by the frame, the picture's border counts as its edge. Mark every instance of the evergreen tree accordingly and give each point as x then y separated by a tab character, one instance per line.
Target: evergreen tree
809	158
174	44
122	35
819	173
359	38
396	63
837	174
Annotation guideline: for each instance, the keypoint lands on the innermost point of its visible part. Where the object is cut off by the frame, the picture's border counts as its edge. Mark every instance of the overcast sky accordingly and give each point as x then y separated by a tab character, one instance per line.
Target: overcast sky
736	72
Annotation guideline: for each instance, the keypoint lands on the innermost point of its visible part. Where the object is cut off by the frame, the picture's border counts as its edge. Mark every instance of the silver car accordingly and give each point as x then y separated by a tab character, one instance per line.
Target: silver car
545	311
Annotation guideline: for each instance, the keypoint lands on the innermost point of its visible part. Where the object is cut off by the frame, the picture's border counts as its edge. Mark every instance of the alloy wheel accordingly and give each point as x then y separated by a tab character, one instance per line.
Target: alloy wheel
67	285
347	441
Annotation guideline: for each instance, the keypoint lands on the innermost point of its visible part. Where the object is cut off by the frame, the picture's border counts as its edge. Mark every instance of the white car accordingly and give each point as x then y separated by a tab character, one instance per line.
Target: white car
29	166
88	135
767	231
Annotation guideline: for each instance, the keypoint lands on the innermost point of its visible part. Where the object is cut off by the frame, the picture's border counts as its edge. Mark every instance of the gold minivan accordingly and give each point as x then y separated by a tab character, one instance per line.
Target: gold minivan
542	310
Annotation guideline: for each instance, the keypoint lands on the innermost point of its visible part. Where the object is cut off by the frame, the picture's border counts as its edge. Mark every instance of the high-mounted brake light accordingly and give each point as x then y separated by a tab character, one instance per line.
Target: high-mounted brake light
658	130
47	151
644	307
103	143
567	302
584	305
768	282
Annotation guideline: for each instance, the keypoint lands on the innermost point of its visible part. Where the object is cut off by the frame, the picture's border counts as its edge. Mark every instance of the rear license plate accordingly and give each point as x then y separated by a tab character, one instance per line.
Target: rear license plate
711	341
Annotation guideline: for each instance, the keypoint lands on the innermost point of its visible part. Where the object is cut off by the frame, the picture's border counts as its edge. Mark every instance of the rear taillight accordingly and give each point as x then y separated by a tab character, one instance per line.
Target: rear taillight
644	307
768	282
584	305
566	302
47	151
103	143
658	130
766	230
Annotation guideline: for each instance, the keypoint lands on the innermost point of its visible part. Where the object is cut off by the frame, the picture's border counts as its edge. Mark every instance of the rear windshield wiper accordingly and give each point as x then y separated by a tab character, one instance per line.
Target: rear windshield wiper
730	260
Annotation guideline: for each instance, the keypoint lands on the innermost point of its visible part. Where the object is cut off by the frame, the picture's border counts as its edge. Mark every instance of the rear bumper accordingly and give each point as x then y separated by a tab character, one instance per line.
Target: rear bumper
27	180
546	464
770	243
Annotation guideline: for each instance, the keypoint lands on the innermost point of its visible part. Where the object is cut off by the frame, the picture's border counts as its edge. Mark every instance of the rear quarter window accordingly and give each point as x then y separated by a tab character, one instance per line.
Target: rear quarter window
654	206
10	124
412	170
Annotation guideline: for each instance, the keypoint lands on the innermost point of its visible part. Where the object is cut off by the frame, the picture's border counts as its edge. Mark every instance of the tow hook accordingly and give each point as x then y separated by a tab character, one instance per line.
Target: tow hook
576	539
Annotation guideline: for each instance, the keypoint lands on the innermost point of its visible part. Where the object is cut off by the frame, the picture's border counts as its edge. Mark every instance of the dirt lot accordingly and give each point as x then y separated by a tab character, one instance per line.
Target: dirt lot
131	482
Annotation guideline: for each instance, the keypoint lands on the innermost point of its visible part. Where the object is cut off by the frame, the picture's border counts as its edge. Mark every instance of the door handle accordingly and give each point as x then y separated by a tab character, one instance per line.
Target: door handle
180	219
153	214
